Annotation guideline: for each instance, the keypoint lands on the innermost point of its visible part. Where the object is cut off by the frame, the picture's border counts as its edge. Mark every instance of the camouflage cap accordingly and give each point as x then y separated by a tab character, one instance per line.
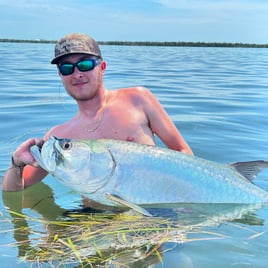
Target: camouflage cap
76	43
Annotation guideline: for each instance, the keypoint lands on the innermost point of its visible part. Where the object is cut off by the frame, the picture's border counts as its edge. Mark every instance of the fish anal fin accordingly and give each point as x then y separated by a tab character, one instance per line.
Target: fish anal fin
121	201
250	169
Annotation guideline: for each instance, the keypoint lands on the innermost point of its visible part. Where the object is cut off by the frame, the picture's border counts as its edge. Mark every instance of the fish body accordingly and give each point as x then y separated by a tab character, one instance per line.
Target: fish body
143	174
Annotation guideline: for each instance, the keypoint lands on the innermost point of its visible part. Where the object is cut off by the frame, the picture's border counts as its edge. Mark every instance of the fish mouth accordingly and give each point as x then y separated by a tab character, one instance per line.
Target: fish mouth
37	154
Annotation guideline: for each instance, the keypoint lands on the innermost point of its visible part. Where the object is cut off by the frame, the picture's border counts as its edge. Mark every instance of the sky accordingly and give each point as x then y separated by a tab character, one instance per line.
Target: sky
234	21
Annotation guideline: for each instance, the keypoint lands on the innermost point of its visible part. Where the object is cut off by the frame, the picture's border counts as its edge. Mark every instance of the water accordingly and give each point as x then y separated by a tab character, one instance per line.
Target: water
218	99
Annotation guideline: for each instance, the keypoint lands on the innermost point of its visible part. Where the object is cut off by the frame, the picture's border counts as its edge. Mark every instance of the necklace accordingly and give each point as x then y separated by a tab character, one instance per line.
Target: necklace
98	121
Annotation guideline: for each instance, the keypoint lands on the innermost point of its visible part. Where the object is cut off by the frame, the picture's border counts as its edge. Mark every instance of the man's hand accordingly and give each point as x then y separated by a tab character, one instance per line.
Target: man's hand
22	156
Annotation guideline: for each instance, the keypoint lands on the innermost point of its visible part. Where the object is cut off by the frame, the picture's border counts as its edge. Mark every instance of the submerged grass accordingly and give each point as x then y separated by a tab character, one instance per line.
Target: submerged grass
87	240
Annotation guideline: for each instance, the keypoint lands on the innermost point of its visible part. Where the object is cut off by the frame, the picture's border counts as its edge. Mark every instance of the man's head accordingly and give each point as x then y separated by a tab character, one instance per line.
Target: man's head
76	43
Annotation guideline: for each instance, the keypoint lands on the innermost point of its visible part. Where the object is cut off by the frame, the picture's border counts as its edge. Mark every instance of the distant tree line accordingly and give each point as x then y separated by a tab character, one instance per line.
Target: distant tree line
151	43
26	41
180	44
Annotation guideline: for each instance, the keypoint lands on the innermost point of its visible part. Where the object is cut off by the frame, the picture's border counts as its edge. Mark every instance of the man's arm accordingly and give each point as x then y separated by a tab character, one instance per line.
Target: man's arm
162	125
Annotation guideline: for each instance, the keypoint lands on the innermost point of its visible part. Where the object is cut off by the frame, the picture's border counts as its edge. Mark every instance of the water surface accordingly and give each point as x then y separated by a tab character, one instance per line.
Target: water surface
218	99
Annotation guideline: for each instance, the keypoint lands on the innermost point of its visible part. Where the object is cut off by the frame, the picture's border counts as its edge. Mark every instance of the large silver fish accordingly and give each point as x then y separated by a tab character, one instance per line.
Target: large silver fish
116	173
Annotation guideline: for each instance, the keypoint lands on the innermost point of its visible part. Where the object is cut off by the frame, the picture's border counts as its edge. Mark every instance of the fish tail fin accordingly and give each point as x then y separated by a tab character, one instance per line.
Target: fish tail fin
250	169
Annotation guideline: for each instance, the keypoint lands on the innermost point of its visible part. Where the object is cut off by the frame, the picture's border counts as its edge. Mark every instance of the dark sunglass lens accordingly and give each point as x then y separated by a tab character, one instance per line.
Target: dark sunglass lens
66	69
85	65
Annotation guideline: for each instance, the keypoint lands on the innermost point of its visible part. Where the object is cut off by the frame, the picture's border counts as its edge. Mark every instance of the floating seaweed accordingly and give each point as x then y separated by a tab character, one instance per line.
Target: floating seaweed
87	240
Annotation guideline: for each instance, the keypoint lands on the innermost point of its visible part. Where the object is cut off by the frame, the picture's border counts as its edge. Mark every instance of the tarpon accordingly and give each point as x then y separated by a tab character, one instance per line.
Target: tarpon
117	173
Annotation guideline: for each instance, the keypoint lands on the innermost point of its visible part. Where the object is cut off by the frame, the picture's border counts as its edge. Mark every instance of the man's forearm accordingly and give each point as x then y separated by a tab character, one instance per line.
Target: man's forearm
12	180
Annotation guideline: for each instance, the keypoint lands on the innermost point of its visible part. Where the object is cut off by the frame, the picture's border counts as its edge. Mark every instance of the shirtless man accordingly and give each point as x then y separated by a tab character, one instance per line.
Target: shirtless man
131	114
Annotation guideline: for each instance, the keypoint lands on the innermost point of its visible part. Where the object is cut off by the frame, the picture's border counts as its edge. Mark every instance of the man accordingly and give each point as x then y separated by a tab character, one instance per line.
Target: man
131	114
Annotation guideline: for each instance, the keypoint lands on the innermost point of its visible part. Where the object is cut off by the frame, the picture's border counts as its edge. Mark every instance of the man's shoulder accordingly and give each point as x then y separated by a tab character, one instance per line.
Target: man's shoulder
134	89
132	92
136	95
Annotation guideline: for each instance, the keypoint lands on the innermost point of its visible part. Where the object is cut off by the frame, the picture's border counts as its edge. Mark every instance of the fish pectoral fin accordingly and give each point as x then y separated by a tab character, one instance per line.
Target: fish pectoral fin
121	201
250	169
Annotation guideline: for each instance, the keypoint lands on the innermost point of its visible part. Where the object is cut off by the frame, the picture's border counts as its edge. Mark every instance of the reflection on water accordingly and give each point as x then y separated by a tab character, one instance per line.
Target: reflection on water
37	202
45	233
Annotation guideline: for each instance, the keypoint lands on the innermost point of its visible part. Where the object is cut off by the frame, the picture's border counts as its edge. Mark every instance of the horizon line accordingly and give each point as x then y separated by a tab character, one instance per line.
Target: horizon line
148	43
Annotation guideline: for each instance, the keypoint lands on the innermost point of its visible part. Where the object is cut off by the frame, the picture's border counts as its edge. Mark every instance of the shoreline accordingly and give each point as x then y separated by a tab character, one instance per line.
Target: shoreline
148	43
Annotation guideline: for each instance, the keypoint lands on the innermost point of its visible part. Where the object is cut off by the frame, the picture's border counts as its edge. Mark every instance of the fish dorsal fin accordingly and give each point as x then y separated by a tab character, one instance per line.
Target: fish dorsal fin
121	201
250	169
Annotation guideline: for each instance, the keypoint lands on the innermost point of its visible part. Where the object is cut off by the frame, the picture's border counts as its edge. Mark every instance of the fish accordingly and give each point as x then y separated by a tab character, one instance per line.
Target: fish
121	173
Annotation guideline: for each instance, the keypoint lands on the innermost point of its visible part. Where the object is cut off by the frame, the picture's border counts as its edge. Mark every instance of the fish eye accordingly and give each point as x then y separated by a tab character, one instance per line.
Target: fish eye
66	145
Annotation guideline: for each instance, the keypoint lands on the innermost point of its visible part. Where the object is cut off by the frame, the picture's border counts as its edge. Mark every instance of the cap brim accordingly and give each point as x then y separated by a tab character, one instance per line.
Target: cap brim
57	59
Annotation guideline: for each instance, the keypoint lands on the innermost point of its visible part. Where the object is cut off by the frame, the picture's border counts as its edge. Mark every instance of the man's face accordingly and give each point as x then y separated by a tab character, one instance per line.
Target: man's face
80	84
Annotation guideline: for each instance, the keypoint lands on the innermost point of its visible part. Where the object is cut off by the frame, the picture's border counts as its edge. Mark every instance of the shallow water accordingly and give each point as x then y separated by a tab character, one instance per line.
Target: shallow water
216	96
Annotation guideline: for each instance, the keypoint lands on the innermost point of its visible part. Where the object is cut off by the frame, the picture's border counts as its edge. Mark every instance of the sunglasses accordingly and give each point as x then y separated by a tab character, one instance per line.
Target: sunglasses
82	65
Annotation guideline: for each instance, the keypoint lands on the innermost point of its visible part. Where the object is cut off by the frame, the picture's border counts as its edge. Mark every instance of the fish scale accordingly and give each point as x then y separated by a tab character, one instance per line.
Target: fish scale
143	174
192	179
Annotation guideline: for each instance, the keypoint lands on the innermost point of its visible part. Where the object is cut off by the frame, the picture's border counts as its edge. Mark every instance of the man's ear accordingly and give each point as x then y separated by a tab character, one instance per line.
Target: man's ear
103	66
